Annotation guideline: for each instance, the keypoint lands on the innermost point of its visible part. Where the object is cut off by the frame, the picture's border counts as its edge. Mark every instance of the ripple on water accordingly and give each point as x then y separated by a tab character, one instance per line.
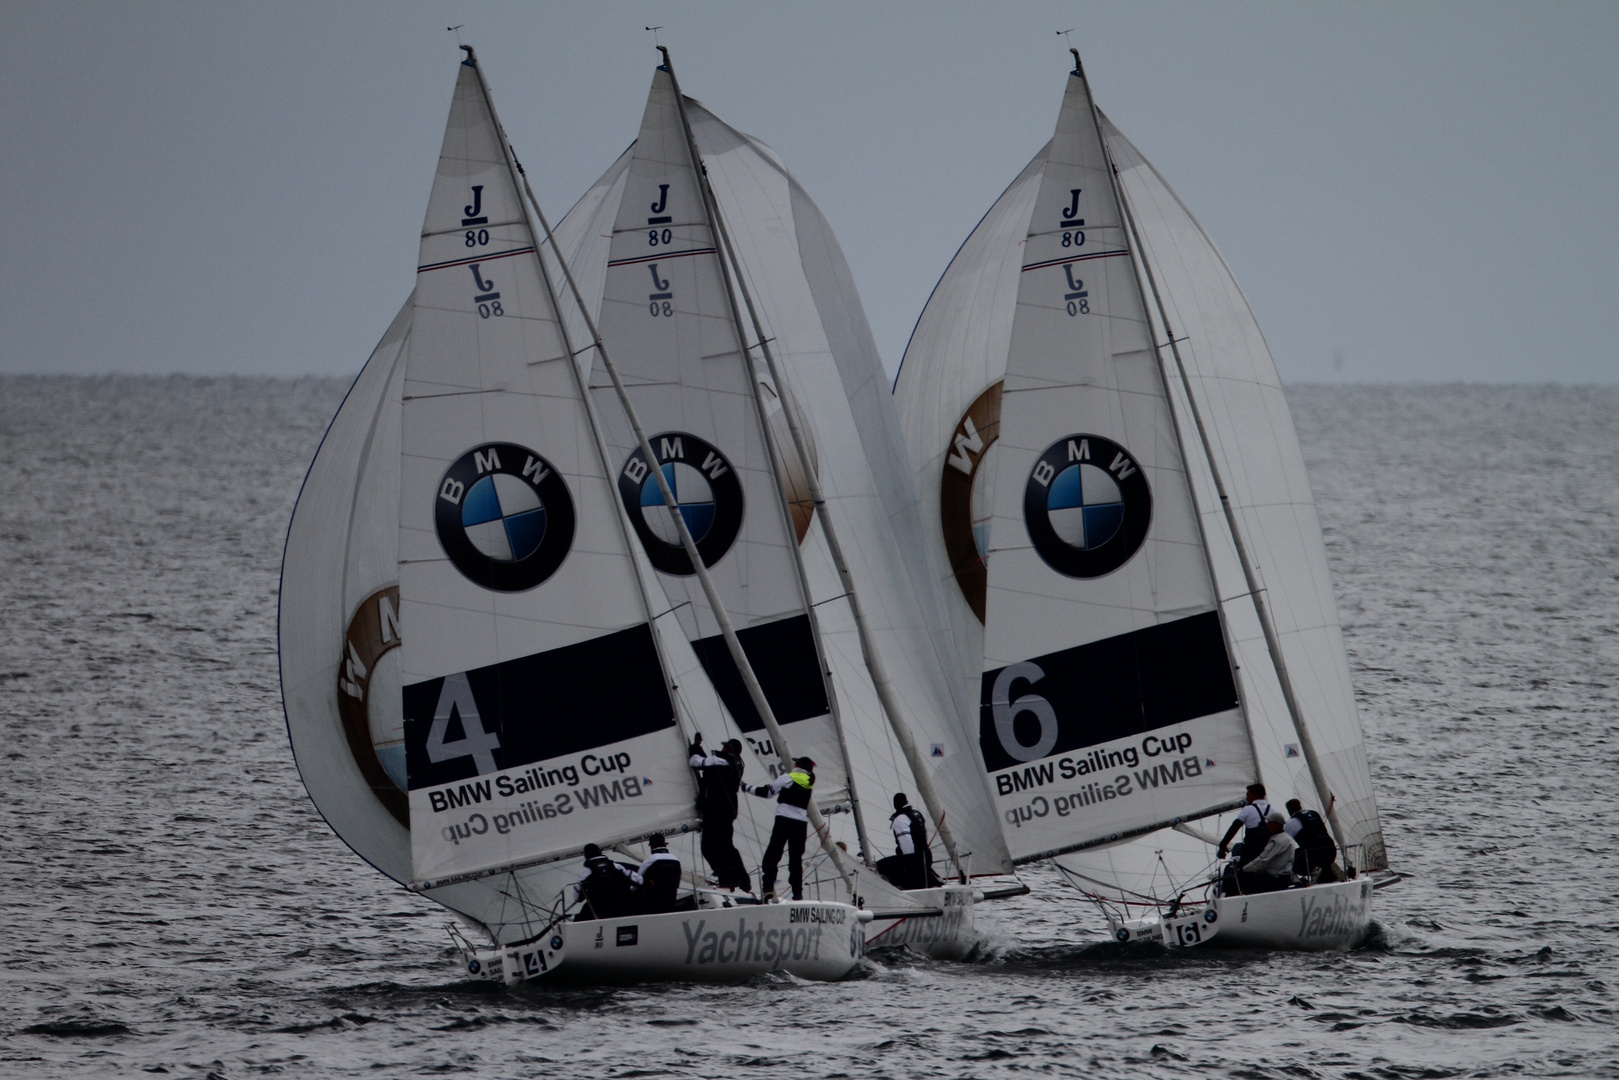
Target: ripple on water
184	910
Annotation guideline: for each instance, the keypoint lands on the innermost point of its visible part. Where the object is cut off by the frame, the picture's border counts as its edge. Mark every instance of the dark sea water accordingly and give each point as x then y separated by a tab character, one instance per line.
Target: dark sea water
173	905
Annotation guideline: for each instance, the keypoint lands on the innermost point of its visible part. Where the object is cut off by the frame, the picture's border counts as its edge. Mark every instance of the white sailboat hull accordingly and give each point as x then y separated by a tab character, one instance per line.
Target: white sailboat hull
811	939
1315	919
949	935
1318	918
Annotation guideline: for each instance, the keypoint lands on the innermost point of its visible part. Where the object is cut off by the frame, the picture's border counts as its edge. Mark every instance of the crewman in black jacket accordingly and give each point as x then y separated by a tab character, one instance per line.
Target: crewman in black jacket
604	886
660	879
910	867
792	795
719	776
1316	847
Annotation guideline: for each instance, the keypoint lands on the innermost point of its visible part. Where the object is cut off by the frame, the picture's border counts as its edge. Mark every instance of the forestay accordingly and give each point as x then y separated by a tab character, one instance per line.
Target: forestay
670	326
537	716
1107	702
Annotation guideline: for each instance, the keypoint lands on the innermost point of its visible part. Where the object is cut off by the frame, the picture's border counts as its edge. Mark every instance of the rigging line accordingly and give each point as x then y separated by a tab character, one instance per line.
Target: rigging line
1108	885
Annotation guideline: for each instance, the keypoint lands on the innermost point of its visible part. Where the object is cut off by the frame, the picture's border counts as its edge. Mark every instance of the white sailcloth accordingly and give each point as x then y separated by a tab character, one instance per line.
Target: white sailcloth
810	313
668	322
537	716
1107	700
1251	435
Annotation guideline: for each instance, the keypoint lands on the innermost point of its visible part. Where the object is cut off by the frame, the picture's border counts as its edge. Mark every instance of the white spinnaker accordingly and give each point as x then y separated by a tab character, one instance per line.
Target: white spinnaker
342	547
957	354
342	550
1250	431
668	322
537	716
805	297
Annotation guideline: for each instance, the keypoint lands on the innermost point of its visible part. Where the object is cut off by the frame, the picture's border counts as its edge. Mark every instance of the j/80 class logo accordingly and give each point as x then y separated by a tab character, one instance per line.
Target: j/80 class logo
504	517
707	493
1086	505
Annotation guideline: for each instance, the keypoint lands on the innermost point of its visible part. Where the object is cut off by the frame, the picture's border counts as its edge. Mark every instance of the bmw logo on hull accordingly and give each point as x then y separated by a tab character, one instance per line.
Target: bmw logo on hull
504	517
1086	505
706	489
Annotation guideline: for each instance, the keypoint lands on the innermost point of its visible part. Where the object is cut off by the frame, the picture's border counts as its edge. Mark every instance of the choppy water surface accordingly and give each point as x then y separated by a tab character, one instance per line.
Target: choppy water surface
173	903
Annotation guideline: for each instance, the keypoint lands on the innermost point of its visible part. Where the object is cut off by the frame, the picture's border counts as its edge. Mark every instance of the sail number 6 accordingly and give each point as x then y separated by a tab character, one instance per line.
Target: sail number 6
1006	712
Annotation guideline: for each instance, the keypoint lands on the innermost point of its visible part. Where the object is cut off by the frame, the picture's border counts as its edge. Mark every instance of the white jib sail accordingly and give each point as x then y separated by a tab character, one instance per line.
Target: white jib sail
1107	702
537	716
668	322
805	297
1251	436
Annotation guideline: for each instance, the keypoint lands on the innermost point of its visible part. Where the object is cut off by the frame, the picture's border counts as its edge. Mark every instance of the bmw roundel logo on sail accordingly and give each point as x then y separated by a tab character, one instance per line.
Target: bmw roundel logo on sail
706	490
504	516
1086	505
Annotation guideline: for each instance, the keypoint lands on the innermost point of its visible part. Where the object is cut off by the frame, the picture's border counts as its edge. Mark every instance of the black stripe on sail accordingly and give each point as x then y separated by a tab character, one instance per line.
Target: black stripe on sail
782	654
1109	689
537	707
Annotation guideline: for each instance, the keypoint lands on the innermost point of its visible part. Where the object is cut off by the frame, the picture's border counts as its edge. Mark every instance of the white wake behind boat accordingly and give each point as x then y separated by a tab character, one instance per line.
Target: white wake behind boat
1138	583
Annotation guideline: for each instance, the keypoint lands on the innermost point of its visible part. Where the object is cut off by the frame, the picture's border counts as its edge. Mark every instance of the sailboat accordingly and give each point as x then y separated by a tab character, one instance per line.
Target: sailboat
500	697
896	721
1137	580
384	730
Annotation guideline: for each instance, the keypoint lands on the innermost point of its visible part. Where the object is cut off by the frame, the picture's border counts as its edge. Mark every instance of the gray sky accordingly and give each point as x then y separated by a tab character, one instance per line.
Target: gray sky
1406	192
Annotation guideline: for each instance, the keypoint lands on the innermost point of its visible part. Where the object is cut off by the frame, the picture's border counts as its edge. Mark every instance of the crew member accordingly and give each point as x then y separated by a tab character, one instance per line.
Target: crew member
1316	849
660	879
1272	868
1250	818
792	795
911	867
604	886
718	778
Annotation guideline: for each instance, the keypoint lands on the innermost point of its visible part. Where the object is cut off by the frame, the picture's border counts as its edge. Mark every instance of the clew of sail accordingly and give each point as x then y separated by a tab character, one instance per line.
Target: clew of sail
1250	435
536	713
673	334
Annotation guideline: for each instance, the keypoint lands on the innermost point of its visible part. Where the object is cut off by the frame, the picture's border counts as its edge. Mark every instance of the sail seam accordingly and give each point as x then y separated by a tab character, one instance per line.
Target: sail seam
1074	259
662	256
473	259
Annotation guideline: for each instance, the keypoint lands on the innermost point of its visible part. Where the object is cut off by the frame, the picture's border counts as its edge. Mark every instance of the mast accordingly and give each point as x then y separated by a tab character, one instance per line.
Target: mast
1256	589
688	543
873	660
515	167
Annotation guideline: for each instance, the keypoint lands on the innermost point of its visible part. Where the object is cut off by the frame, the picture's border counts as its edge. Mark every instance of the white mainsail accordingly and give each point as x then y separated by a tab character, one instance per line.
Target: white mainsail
668	321
537	716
